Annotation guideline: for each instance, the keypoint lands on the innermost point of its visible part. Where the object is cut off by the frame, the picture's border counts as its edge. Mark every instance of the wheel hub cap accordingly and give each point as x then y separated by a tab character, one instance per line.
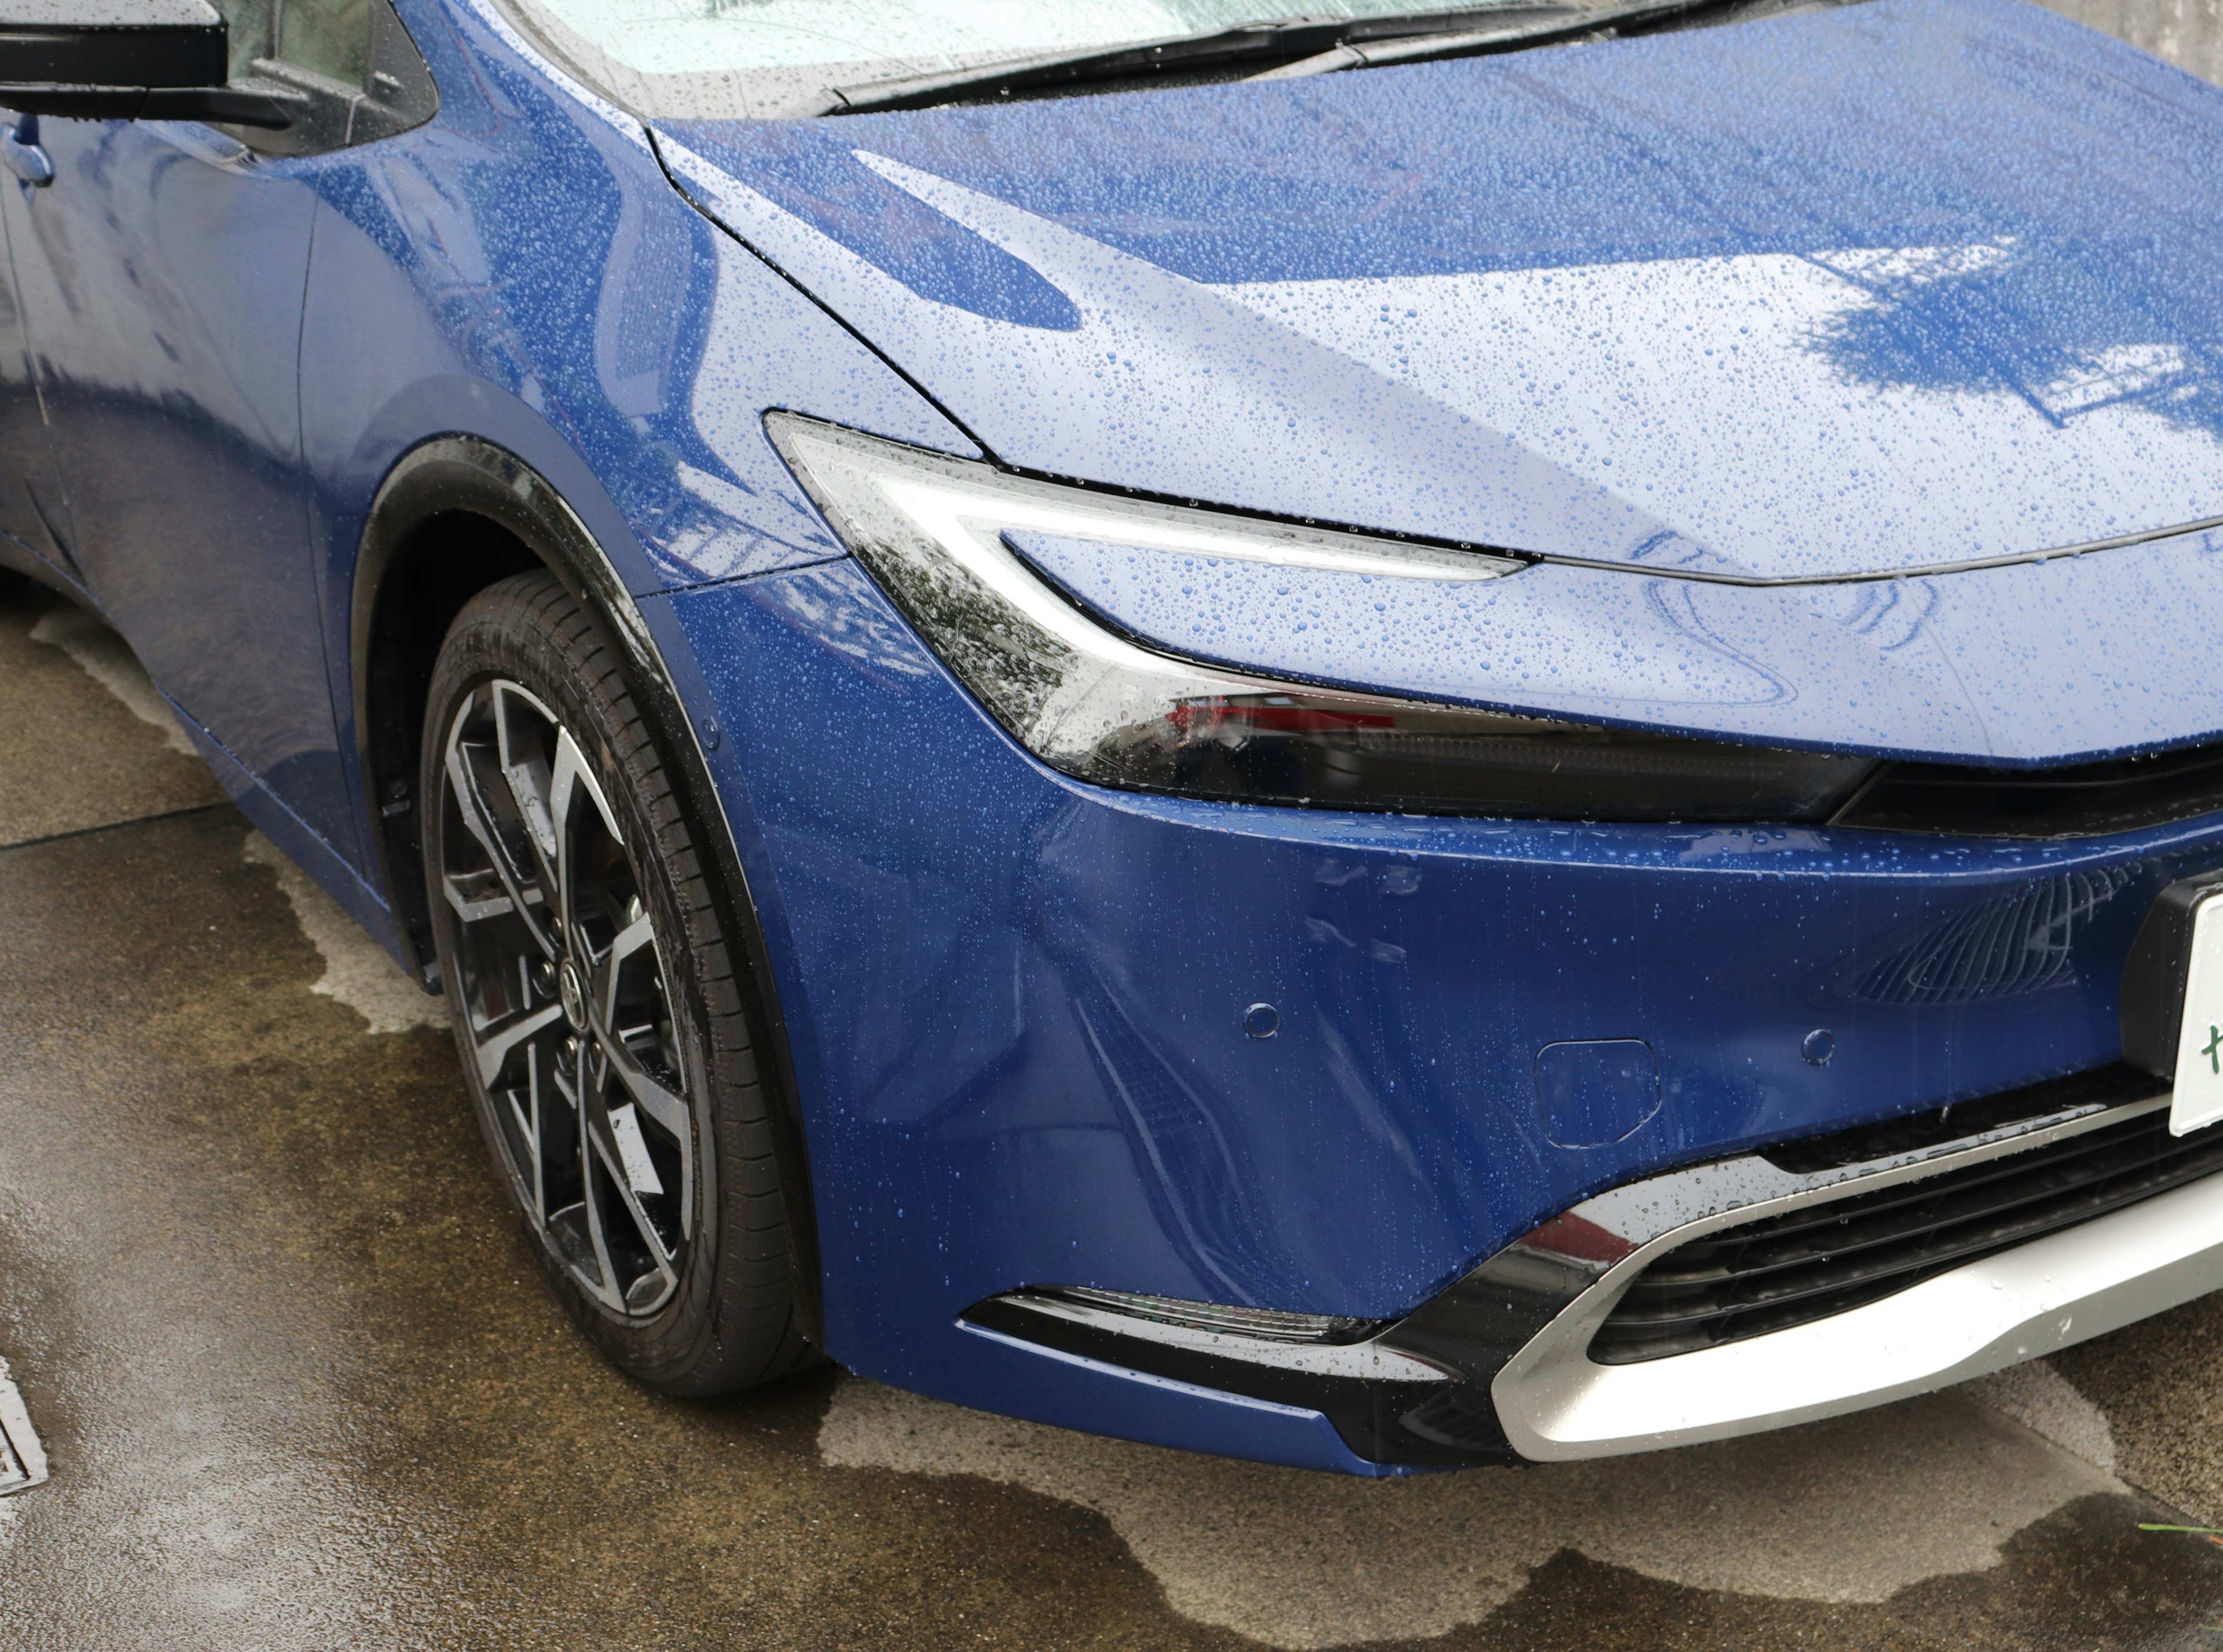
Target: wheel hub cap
574	993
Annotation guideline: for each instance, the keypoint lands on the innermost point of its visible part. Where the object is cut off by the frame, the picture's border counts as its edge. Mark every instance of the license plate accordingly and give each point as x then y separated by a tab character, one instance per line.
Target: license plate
2199	1099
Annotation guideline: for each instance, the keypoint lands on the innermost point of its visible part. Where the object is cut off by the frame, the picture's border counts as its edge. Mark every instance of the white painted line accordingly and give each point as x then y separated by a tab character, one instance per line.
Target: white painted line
22	1458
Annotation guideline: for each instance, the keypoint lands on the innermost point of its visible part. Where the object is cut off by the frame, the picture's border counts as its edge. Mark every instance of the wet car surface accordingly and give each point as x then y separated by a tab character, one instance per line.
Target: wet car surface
242	1211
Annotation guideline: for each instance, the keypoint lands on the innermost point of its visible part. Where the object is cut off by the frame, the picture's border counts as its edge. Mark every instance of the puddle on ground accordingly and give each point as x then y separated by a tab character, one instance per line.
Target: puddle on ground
357	971
1848	1510
109	661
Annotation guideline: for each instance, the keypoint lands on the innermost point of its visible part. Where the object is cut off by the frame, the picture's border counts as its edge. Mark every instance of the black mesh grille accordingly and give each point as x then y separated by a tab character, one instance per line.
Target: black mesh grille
2093	1089
1808	1264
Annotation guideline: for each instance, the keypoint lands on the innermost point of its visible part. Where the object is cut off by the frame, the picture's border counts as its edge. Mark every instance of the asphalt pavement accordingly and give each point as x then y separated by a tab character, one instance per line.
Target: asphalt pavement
300	1386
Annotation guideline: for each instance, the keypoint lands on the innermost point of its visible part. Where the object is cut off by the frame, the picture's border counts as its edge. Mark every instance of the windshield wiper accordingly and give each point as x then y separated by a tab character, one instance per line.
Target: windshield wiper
1291	42
1361	53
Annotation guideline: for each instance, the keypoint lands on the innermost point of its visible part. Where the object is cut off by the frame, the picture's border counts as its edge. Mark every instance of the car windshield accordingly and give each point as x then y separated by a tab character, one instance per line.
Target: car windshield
741	59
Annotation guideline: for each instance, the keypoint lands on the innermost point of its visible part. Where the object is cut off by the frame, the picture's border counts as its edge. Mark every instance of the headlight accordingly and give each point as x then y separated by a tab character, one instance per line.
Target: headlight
935	533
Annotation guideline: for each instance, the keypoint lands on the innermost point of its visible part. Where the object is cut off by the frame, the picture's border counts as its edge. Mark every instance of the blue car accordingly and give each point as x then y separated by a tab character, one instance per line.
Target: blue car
1401	736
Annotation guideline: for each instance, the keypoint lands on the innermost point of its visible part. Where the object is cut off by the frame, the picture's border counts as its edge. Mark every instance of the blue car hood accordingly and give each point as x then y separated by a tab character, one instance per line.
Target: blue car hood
1850	292
1867	289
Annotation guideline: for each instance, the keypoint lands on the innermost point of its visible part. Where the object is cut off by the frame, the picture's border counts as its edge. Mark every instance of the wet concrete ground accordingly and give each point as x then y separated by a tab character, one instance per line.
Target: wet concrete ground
302	1388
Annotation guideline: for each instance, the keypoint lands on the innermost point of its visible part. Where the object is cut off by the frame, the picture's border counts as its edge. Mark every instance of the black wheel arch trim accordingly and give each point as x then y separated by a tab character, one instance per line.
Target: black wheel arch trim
464	476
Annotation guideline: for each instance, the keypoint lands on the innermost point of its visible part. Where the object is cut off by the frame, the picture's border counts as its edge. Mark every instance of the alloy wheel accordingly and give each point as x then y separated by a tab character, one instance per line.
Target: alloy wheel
568	1016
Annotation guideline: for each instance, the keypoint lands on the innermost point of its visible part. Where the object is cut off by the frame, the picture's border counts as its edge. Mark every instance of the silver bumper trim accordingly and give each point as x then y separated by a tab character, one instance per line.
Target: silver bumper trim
1556	1403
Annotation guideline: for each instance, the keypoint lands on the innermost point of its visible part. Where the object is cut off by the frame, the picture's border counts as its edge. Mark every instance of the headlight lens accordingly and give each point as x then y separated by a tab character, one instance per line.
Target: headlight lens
1101	707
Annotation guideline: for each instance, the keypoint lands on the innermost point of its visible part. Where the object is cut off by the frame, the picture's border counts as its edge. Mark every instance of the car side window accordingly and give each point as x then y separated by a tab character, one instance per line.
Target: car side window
327	37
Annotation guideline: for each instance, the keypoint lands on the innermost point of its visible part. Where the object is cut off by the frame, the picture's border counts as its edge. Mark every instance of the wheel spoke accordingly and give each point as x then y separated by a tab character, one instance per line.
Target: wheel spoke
589	1156
630	940
524	773
651	1243
621	1178
659	1104
569	777
570	774
607	1182
494	1050
537	1062
475	902
471	808
547	870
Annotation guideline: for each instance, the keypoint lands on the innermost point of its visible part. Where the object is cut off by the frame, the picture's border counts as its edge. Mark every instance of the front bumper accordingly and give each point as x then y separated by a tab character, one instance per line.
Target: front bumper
1016	1009
1503	1362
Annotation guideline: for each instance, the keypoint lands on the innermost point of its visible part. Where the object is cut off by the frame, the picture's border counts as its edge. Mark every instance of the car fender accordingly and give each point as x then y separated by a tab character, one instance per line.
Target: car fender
471	475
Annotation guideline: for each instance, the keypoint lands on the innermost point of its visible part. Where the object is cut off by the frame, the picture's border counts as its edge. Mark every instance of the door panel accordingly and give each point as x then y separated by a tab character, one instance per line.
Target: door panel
161	279
161	276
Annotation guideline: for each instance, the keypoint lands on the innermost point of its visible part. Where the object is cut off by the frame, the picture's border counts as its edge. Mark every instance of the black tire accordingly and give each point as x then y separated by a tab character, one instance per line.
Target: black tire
594	992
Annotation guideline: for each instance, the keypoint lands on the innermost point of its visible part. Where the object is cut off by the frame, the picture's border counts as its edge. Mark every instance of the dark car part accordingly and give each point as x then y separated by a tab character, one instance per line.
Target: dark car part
1245	47
1326	750
374	82
2085	800
592	989
1298	46
1805	1264
149	60
1366	1390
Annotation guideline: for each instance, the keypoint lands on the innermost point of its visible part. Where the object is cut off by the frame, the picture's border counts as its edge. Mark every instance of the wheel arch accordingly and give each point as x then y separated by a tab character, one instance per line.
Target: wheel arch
453	515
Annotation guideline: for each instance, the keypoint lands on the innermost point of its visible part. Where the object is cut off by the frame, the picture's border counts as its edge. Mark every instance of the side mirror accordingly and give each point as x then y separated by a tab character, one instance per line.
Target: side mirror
129	61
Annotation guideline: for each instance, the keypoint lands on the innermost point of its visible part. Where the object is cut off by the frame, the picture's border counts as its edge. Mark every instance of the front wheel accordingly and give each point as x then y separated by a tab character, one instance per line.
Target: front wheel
596	1000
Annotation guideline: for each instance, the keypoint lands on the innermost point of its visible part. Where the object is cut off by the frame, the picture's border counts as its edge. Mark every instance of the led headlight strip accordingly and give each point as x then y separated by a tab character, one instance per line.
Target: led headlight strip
1104	708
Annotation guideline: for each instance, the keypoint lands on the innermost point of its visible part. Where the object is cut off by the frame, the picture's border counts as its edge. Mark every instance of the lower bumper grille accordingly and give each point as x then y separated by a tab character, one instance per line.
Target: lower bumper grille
1808	1264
